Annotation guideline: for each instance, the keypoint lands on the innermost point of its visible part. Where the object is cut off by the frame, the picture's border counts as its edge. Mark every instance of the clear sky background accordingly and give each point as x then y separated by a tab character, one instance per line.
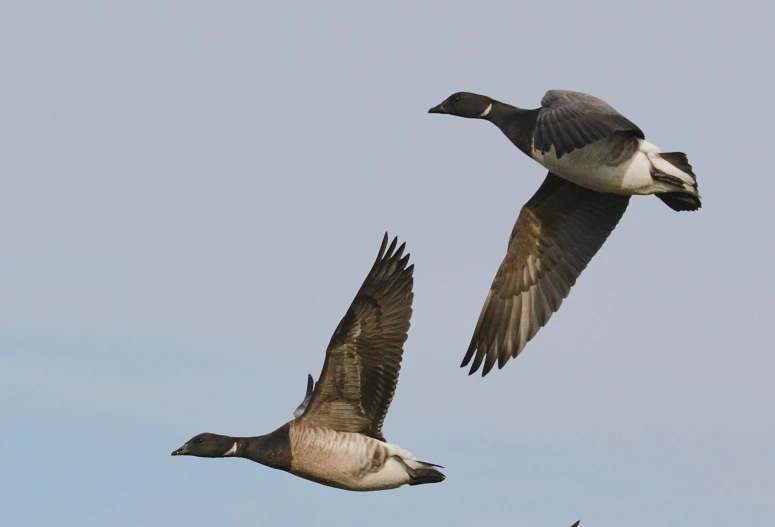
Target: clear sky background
192	192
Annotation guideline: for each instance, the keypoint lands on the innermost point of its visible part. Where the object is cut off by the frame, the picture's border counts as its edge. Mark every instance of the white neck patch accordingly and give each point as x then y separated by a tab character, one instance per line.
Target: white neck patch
232	450
486	111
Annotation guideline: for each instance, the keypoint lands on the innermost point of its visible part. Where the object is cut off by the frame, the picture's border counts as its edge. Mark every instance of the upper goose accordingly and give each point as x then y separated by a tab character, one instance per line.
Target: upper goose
597	159
336	436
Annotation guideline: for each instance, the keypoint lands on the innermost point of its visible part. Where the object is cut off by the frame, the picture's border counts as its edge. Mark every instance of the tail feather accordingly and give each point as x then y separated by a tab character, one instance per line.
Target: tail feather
687	198
679	161
420	476
680	201
421	472
425	464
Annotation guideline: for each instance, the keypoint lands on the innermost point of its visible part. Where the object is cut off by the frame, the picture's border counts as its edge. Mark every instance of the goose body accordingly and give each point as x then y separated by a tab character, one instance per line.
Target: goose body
350	460
336	436
620	164
597	159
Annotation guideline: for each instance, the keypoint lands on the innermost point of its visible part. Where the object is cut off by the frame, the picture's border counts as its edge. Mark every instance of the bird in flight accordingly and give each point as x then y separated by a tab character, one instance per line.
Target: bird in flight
336	436
597	159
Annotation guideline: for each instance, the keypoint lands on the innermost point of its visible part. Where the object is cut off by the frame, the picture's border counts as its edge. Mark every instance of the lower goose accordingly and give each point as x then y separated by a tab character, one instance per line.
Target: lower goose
336	436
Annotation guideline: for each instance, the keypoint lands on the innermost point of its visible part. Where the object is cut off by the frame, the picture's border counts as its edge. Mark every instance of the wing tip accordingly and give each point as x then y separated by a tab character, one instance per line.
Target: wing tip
477	355
392	247
485	360
388	252
383	246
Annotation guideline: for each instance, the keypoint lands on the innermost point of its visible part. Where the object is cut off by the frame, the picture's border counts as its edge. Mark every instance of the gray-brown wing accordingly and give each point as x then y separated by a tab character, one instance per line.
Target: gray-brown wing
556	235
363	359
569	120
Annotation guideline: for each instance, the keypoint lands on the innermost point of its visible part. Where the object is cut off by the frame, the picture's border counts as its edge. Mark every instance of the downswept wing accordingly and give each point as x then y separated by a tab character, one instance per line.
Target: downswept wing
557	233
363	359
570	120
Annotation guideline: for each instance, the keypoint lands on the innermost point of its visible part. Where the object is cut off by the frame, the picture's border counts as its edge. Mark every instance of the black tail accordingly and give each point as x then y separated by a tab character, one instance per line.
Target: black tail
576	524
680	201
679	161
420	476
423	474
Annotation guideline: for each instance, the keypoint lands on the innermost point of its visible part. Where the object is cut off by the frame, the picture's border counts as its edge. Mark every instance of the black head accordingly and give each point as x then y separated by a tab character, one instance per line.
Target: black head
209	445
464	104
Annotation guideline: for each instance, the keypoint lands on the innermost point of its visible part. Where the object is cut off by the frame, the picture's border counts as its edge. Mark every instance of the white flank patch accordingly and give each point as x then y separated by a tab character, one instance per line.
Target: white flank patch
232	450
390	476
486	111
588	167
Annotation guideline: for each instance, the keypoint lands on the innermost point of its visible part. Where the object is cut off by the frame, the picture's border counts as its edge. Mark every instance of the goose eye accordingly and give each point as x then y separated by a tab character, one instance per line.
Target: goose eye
198	440
456	98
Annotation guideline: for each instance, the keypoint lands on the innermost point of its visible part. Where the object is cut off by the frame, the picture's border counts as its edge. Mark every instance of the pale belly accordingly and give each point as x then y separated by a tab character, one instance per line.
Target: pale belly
610	165
345	460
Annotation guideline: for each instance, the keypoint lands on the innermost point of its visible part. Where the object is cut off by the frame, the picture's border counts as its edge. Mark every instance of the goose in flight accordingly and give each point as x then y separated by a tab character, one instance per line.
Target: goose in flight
597	159
336	436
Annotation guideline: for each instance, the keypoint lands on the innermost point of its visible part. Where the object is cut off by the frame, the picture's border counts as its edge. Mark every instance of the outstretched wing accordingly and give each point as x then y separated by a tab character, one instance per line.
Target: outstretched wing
556	235
569	120
363	358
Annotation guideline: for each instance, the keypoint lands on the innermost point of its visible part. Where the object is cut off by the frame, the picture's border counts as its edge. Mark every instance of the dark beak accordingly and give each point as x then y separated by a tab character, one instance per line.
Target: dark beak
180	451
437	109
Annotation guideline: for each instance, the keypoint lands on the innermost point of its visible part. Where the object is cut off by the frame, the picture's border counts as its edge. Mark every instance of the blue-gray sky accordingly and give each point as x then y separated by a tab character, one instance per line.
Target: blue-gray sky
192	193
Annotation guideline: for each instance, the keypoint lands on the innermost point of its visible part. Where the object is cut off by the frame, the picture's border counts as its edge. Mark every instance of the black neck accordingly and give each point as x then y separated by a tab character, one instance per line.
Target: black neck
516	124
272	450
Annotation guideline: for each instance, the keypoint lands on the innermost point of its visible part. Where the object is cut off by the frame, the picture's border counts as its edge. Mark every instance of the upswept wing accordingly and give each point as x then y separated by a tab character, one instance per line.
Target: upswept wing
363	359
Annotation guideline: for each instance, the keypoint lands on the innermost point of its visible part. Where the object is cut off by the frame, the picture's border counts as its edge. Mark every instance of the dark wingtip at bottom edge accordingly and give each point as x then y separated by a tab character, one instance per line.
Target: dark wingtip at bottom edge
487	368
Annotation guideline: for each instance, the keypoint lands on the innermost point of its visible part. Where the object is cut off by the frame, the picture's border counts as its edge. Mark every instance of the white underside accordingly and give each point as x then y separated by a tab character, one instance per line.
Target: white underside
589	167
393	474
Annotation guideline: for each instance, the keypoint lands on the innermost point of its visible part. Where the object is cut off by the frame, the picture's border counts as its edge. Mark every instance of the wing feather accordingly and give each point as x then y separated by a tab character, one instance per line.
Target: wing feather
570	120
363	359
557	233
